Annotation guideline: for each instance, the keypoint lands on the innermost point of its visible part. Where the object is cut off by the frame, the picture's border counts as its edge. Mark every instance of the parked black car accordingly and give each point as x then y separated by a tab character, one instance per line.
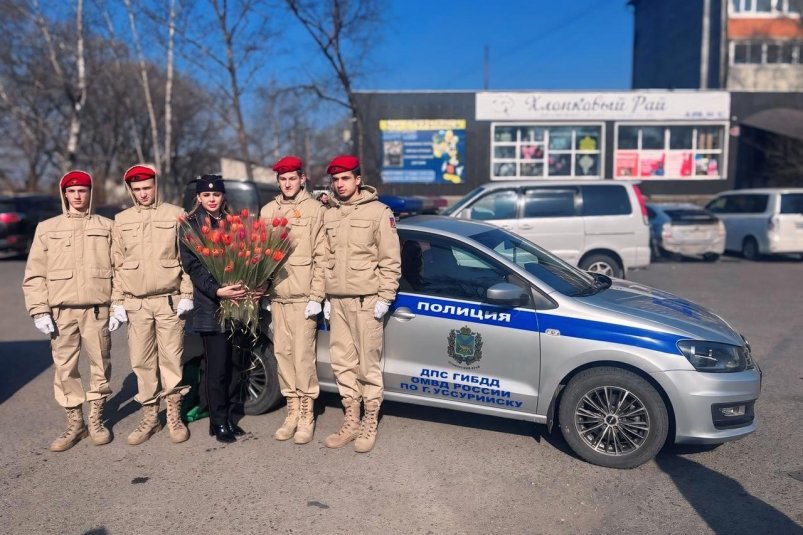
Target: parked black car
19	215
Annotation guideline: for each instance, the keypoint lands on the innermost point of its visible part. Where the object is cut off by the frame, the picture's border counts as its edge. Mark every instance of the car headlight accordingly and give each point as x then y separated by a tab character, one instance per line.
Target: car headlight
715	357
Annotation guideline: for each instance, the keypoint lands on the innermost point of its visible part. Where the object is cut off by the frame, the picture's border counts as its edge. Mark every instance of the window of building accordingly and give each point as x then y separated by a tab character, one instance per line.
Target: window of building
765	52
529	151
764	8
669	151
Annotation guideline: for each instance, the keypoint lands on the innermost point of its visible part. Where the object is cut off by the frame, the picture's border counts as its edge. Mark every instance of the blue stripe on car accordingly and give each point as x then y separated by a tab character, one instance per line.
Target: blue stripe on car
529	320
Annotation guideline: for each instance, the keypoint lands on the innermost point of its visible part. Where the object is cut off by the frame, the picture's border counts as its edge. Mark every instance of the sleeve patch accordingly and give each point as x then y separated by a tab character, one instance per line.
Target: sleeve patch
392	222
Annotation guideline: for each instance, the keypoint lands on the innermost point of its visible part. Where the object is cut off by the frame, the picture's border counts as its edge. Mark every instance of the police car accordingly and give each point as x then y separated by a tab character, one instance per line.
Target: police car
489	323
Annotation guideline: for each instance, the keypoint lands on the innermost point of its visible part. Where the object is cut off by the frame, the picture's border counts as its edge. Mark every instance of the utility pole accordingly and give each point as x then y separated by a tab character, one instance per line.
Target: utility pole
705	44
486	68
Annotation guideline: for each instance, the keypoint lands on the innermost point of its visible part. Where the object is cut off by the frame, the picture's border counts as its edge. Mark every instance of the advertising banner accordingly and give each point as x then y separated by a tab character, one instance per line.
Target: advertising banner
431	151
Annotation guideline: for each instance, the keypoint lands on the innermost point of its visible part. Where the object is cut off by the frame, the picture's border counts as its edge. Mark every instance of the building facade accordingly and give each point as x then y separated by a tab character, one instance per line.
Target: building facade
738	45
447	143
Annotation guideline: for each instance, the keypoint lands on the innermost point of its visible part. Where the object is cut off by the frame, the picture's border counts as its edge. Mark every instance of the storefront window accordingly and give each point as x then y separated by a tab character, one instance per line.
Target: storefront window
540	151
669	152
763	7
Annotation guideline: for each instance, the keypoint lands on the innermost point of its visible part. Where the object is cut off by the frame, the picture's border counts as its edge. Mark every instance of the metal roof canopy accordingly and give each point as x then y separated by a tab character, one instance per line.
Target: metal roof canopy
784	121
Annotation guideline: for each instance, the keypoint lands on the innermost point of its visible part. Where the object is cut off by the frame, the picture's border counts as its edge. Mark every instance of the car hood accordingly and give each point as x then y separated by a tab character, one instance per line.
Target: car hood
663	311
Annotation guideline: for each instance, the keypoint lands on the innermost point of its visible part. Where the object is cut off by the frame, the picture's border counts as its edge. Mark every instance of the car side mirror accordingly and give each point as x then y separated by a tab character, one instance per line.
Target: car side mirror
504	293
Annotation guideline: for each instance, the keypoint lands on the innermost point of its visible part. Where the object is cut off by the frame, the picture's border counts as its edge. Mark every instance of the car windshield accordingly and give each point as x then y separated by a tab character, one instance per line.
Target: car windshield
456	207
792	203
690	216
564	278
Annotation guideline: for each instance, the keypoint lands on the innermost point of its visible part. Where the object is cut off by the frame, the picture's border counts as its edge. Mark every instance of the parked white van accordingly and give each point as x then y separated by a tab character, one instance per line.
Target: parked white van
761	221
597	225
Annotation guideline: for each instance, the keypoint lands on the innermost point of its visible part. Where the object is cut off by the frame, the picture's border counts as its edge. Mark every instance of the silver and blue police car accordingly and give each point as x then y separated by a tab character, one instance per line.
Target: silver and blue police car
489	323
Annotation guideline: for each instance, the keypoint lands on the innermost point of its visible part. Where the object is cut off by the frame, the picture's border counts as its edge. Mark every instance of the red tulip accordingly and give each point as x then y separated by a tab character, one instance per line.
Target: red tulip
229	267
241	234
257	250
205	251
284	222
205	230
199	248
263	236
278	255
244	213
214	236
276	222
255	260
182	218
230	218
284	234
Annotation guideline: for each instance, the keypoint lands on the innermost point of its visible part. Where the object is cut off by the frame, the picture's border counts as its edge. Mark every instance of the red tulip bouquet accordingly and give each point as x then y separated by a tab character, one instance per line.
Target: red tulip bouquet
244	249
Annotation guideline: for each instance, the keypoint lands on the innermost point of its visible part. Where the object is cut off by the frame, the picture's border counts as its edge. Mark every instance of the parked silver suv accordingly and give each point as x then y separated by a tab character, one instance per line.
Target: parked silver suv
761	221
597	225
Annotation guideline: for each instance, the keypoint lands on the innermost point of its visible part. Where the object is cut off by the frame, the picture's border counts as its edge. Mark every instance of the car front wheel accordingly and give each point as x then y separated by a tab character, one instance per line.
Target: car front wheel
613	418
260	381
750	249
602	263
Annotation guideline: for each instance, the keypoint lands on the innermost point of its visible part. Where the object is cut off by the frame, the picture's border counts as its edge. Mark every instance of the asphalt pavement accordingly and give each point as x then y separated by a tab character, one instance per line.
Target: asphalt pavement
432	471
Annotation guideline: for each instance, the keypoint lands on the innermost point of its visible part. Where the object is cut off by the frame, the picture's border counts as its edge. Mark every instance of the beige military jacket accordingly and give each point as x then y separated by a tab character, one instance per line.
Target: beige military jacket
301	276
70	263
362	248
145	252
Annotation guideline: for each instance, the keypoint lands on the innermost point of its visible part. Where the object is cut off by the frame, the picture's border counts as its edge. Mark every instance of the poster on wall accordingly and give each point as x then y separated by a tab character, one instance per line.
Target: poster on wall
431	151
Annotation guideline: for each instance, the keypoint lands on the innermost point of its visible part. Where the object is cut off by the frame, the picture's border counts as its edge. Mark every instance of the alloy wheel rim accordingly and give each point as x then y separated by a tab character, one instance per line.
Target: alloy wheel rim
612	421
257	378
601	267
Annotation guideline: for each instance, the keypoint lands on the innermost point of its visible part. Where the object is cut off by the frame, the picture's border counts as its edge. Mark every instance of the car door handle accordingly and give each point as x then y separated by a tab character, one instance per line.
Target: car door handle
403	313
525	226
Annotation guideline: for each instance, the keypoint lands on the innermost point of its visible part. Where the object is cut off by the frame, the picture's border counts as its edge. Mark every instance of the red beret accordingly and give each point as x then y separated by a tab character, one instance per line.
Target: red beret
287	164
75	178
343	163
138	173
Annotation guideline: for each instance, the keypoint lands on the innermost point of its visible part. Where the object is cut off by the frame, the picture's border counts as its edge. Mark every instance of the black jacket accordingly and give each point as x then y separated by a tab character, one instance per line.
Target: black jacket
204	285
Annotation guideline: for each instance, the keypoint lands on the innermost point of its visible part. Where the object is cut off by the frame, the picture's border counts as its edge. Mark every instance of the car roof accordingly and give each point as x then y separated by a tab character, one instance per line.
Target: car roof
527	183
438	223
761	191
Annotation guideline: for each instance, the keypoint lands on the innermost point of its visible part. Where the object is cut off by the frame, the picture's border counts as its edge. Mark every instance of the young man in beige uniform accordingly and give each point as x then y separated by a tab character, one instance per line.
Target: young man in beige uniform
362	276
153	292
68	287
296	295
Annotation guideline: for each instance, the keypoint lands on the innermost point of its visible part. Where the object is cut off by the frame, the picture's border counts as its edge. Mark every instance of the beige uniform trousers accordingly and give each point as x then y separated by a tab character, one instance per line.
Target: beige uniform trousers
76	328
294	342
355	347
155	344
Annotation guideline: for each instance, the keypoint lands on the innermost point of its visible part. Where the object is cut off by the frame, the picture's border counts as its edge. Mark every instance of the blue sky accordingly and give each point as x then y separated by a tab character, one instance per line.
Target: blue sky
534	44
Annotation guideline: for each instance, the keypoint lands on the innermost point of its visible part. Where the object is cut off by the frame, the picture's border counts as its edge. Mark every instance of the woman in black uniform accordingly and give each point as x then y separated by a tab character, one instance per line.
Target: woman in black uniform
222	383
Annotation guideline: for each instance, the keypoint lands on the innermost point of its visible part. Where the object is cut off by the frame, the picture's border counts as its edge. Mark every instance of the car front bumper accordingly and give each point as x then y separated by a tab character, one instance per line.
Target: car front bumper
697	396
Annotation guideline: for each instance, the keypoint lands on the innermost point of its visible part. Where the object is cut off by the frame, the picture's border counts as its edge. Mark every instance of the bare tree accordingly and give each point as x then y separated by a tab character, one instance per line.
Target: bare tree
74	88
343	31
42	90
232	39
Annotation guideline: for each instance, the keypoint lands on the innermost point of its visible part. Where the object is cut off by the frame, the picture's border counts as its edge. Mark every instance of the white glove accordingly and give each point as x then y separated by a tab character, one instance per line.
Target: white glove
327	309
44	324
380	309
312	310
264	303
117	317
184	306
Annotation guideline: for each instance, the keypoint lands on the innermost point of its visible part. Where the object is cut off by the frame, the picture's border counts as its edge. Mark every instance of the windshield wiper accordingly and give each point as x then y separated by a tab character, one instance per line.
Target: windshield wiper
601	282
